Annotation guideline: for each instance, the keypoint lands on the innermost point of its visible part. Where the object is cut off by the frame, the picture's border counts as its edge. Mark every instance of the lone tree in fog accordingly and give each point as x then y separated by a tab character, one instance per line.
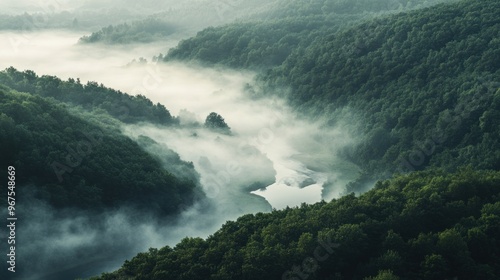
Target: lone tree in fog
216	122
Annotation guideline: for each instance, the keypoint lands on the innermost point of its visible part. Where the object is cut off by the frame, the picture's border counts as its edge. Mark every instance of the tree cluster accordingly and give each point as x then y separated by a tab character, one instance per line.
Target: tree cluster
422	85
91	96
71	162
216	122
142	31
268	37
426	225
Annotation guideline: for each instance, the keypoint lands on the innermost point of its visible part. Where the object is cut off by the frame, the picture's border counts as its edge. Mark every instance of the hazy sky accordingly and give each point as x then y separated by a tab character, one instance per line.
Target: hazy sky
37	6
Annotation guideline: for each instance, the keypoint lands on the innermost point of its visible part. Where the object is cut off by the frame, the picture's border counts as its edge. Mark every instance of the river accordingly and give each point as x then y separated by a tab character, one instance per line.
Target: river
272	159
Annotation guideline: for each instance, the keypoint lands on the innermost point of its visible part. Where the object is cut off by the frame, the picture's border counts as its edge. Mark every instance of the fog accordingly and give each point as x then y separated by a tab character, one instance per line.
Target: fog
271	159
91	15
70	244
21	6
192	92
57	53
30	6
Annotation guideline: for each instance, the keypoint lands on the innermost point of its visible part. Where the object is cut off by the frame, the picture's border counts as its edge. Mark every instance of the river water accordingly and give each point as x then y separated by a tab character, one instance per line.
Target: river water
272	159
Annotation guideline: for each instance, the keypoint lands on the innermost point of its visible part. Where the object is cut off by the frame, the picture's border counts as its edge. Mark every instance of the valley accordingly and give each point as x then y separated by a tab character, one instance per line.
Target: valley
234	140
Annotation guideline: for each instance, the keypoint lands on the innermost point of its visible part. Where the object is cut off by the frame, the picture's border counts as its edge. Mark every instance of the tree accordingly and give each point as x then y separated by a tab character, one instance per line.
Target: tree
216	122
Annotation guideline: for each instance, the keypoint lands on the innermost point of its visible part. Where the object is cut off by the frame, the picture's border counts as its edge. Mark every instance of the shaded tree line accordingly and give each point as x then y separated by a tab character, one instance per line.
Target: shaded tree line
425	225
421	87
75	163
267	38
90	96
141	31
424	86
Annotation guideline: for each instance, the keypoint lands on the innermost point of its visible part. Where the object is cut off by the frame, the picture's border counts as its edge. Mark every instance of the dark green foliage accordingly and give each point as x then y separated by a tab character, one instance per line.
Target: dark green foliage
70	162
298	8
92	96
287	25
216	122
143	31
423	84
426	225
249	45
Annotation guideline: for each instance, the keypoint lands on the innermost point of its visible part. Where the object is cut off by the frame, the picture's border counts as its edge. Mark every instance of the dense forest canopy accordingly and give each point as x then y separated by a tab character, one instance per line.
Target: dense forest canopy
426	225
72	161
424	87
91	96
266	39
410	78
416	82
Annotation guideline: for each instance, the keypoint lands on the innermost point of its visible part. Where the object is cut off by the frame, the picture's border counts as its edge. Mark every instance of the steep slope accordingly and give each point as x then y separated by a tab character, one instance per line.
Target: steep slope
92	96
75	163
267	38
429	225
424	85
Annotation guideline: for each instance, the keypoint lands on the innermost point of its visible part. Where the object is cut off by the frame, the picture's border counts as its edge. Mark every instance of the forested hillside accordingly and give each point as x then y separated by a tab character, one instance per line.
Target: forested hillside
424	88
271	17
254	45
407	92
29	22
426	225
91	96
44	18
72	161
282	28
423	84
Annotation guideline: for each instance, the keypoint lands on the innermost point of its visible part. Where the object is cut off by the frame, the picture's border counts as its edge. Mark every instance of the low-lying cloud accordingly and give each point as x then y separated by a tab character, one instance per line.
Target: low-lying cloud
272	158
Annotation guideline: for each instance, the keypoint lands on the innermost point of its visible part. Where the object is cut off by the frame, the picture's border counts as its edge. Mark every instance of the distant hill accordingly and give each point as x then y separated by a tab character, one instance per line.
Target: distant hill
266	37
186	18
143	31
